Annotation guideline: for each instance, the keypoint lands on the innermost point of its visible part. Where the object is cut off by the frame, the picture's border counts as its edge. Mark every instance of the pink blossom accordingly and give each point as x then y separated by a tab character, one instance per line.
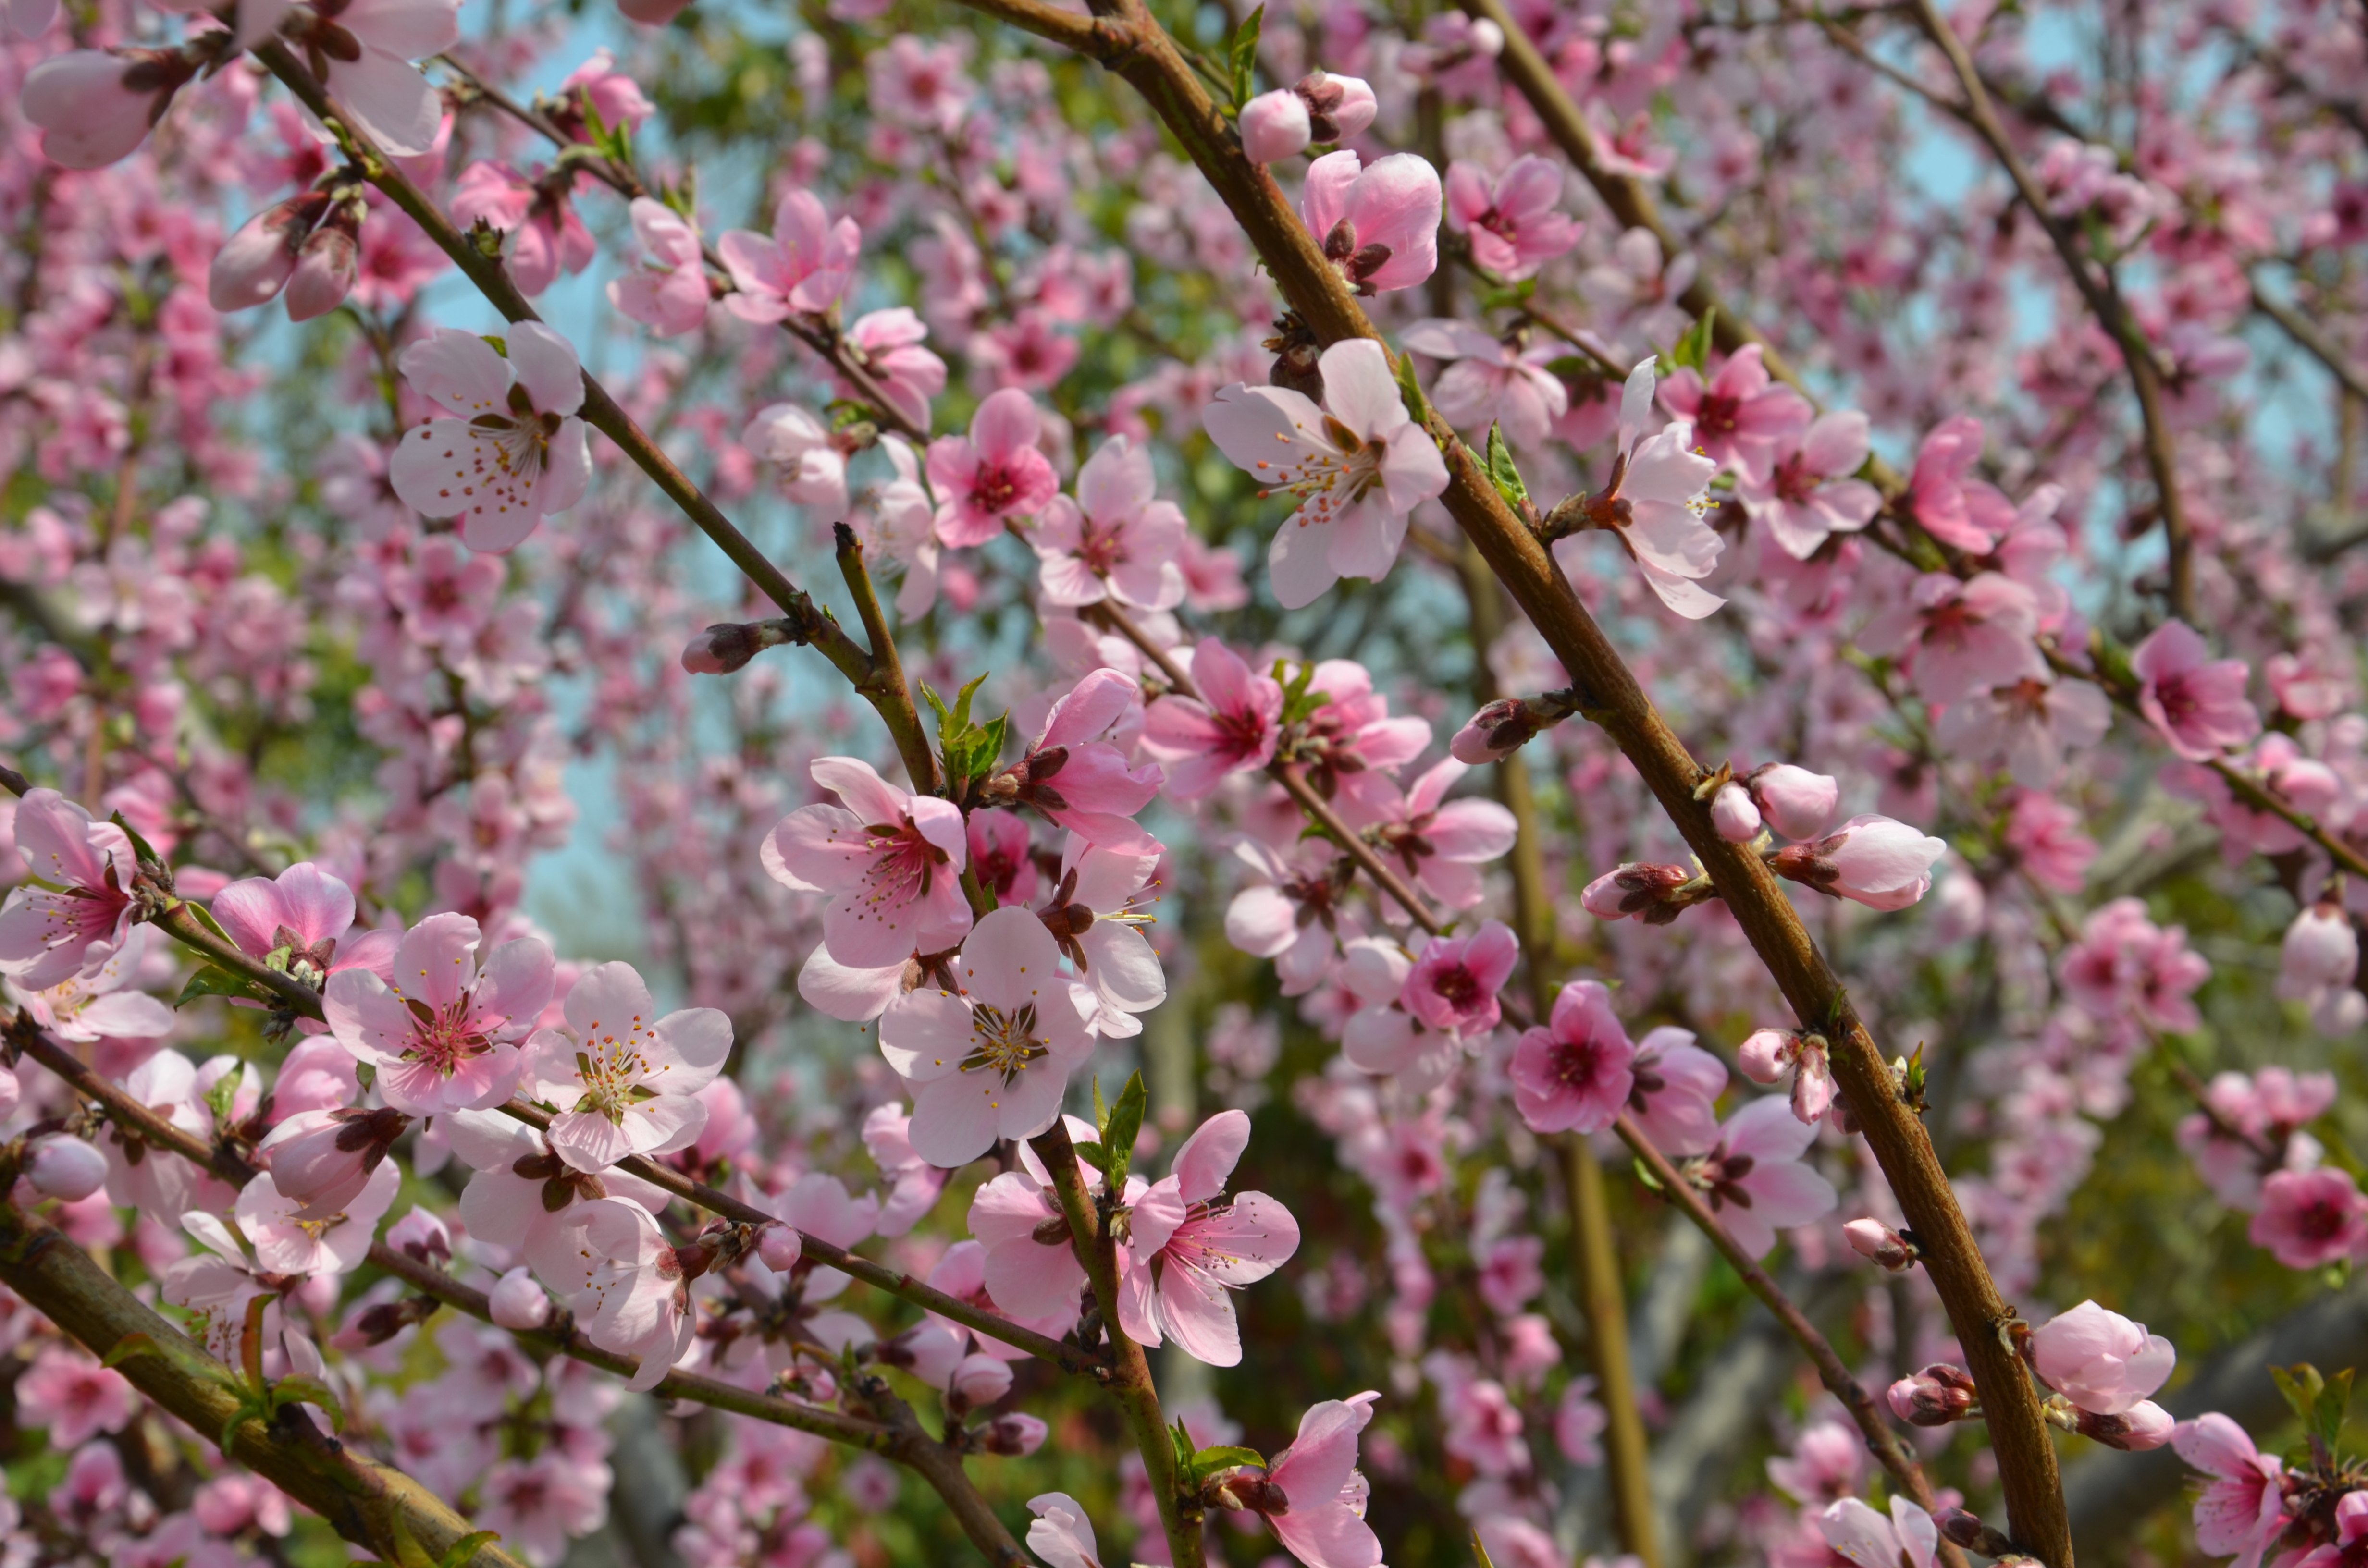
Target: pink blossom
1116	540
1274	126
667	292
1803	493
814	465
2028	723
2319	964
293	1237
1378	225
48	936
1212	576
443	1033
1677	1086
1740	419
541	1504
1872	860
1767	1055
629	1289
1936	1396
1907	1540
1061	1534
323	1159
255	262
625	1080
597	86
2350	1543
920	84
1655	504
1189	1245
97	107
804	268
64	1167
1755	1178
1938	493
522	1192
888	344
1825	1465
362	54
1320	1518
1572	1074
1491	381
992	475
2310	1218
2242	1508
2044	836
1793	801
1880	1244
1442	843
1358	465
2099	1359
93	1005
310	913
1482	1428
1579	1421
2124	964
1959	638
1290	912
1077	779
518	1303
2197	705
1232	725
993	1060
1512	226
74	1397
1098	915
893	861
547	234
1454	984
512	450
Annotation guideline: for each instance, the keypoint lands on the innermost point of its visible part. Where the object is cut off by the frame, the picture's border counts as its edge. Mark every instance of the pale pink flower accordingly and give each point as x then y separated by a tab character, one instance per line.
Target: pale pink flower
814	466
2310	1218
1656	503
914	1183
321	1160
1872	860
1315	1501
1959	638
1511	225
255	262
901	528
512	450
1077	779
93	1005
547	234
1676	1089
95	107
993	1060
2318	965
1825	1465
888	344
625	1080
1740	419
1443	844
1805	494
2101	1360
1062	1535
1189	1245
993	476
1907	1540
2124	964
667	292
1454	984
516	1302
1028	1268
920	84
1793	801
310	913
804	268
1097	915
64	1167
2028	723
629	1289
598	85
2199	706
1289	911
1117	540
539	1505
1212	576
1232	725
69	1393
1579	1421
1938	493
1358	464
893	861
362	54
1338	107
1755	1178
159	1182
1572	1074
1491	381
521	1191
1378	225
443	1034
2242	1508
293	1237
47	937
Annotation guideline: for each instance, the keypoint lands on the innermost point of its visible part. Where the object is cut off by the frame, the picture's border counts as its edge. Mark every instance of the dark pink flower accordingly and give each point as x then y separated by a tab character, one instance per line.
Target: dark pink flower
1232	725
2198	705
1572	1074
1740	419
2310	1218
1454	984
992	475
1511	224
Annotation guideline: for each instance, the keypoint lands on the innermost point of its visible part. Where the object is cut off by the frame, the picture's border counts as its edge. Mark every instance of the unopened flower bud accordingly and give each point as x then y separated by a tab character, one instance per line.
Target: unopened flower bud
515	1301
1793	801
65	1168
1961	1528
1338	106
327	265
1655	893
382	1321
1015	1436
254	264
2143	1426
1765	1054
1878	862
729	645
1873	1239
96	106
1732	814
1507	724
323	1159
1934	1397
978	1379
779	1247
1274	126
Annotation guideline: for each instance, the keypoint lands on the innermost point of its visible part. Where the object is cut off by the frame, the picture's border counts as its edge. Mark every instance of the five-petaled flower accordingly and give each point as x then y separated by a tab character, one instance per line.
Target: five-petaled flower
893	861
993	476
83	916
443	1034
512	450
1187	1246
625	1080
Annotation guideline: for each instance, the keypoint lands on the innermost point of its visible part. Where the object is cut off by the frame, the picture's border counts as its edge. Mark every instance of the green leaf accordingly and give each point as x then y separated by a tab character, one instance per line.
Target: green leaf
2334	1403
131	1345
140	846
1644	1174
1298	701
1119	1132
1501	471
205	917
218	1097
1244	52
1101	1111
962	704
1209	1461
1094	1154
212	982
1692	350
1182	1440
460	1551
2302	1386
310	1391
1410	389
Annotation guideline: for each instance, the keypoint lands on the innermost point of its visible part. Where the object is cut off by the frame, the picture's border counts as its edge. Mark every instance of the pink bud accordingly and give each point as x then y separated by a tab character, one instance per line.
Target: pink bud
517	1303
1656	894
2144	1425
1766	1054
323	1158
65	1168
779	1247
1873	1239
421	1236
979	1380
1274	126
1015	1436
254	265
1878	862
327	265
729	645
1732	814
95	108
1934	1397
1338	106
1795	802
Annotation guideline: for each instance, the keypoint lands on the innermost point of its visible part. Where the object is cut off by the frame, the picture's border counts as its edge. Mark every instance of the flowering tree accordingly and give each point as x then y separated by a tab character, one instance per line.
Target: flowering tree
1324	634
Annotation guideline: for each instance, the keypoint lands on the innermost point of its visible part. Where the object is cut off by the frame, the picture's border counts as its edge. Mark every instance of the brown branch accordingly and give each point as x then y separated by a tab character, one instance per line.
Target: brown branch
1759	902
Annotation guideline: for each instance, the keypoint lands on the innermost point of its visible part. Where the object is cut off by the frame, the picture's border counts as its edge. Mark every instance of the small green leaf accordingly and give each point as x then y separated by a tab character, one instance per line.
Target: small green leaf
1209	1461
1119	1132
1243	51
500	345
212	982
2301	1385
962	704
1182	1440
460	1551
1299	703
1480	1551
140	845
1094	1154
218	1097
205	917
1410	389
1644	1174
1692	350
131	1345
310	1391
2333	1404
1502	473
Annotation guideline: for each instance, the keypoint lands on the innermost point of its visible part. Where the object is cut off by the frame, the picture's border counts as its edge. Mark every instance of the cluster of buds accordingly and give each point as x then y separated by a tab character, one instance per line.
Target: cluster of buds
1936	1396
1654	893
308	246
1794	802
1767	1055
1507	724
1320	111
